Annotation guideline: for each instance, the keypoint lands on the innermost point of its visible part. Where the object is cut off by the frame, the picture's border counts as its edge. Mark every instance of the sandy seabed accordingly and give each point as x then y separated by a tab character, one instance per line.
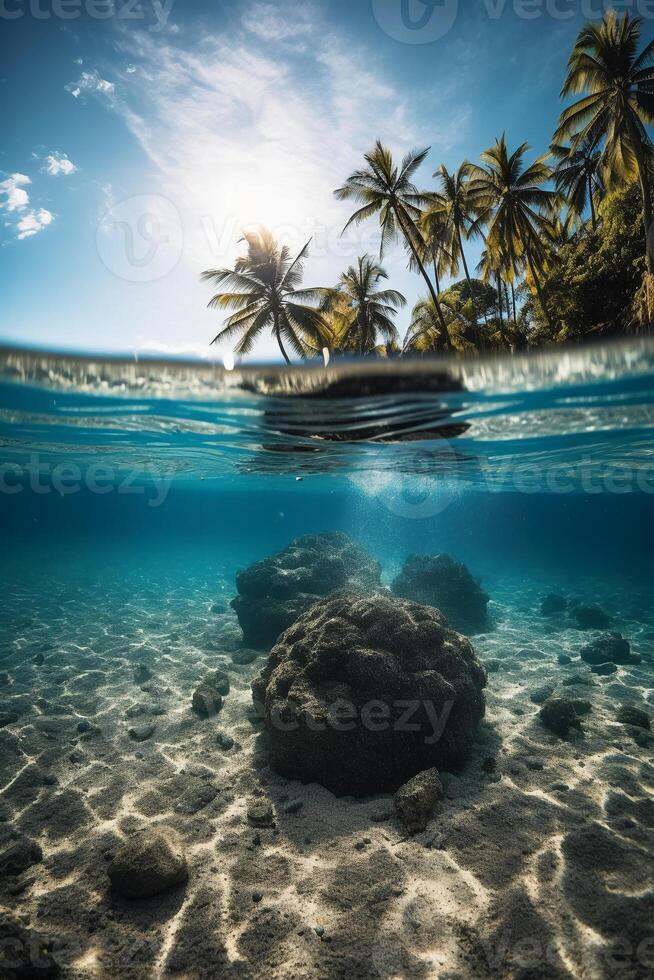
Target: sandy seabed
541	869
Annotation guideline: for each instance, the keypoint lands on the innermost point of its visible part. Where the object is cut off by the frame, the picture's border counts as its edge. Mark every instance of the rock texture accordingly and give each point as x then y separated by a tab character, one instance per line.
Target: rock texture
416	801
440	581
590	617
553	604
361	694
149	862
559	715
609	648
275	591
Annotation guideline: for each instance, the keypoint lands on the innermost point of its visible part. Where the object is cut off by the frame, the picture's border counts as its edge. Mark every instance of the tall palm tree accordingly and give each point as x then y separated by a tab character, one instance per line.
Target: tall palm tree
619	102
263	290
364	310
517	210
425	331
449	211
388	191
577	175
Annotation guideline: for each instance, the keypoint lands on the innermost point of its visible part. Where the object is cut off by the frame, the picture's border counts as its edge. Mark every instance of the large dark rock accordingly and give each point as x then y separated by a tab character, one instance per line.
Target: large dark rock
362	693
590	617
149	862
440	581
553	604
275	591
609	648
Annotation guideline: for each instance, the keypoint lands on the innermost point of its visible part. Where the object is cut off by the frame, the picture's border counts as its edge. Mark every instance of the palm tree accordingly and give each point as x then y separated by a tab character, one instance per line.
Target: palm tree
265	295
577	175
425	336
385	190
363	310
510	199
449	213
618	105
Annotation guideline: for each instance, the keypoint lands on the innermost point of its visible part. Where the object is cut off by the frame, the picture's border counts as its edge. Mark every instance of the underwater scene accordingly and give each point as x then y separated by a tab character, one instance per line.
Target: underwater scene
327	672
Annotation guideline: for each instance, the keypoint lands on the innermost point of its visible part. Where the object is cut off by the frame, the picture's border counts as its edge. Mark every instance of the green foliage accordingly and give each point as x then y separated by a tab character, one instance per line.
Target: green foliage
591	286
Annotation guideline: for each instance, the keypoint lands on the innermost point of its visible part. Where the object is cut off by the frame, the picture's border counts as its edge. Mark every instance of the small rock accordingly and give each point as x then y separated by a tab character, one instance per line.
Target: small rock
39	660
552	604
85	726
629	714
220	682
141	733
564	659
577	679
293	806
260	814
590	617
149	862
560	787
559	715
541	694
581	707
207	701
604	670
382	814
609	648
489	764
142	674
226	742
257	896
534	763
244	656
416	801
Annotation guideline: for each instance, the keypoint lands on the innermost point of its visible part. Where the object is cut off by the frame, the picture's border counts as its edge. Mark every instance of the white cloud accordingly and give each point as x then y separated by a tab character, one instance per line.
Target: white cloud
34	222
242	136
279	22
90	82
59	163
16	197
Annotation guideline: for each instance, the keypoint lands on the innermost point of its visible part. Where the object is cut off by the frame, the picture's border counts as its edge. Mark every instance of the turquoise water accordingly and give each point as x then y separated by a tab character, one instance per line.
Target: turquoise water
131	494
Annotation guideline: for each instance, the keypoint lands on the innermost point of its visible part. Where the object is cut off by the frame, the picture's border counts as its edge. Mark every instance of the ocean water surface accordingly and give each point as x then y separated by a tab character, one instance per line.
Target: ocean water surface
133	493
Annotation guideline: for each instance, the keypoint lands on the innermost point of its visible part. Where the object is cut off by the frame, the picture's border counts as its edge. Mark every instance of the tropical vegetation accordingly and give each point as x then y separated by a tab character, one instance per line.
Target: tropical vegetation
568	242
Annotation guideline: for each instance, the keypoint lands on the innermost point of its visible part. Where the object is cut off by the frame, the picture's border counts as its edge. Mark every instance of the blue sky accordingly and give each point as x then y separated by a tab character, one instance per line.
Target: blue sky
138	140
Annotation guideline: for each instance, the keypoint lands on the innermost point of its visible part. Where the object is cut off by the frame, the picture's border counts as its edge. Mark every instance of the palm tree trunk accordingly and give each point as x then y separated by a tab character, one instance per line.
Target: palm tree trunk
278	335
539	291
467	272
506	298
643	173
515	318
592	203
423	273
500	300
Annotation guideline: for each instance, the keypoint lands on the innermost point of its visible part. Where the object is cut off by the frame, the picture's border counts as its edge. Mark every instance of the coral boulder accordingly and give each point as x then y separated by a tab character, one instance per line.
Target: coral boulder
273	592
362	693
440	581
